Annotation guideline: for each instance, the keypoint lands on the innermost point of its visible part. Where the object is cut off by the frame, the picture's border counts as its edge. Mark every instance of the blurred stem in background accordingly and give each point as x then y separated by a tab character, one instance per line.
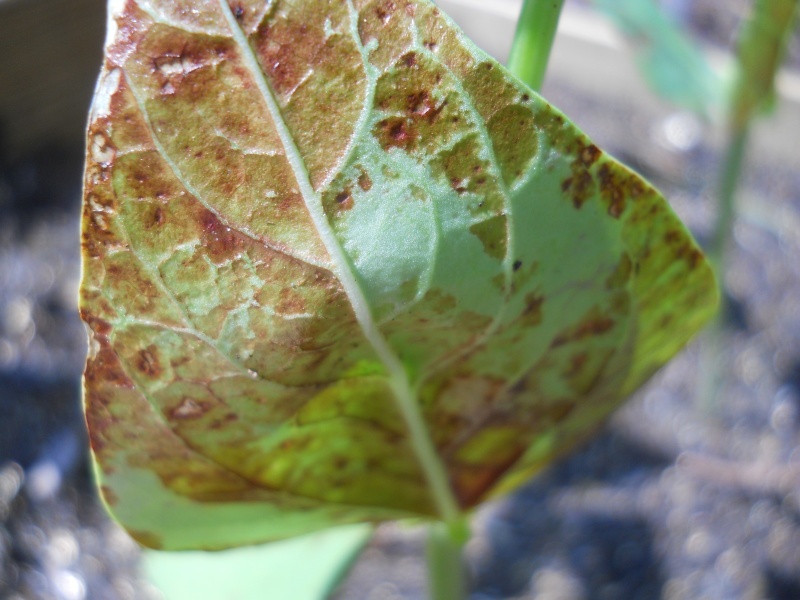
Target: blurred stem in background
530	53
761	48
760	52
536	30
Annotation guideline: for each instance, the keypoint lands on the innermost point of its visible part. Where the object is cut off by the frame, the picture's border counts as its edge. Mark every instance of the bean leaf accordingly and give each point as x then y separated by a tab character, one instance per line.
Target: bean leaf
340	266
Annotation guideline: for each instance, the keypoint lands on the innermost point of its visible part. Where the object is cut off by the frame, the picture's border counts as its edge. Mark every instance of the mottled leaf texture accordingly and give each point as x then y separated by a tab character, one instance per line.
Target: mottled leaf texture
340	266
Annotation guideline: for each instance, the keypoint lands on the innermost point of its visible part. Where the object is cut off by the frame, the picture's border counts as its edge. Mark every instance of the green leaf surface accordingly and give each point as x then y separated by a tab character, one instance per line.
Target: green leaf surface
340	266
304	568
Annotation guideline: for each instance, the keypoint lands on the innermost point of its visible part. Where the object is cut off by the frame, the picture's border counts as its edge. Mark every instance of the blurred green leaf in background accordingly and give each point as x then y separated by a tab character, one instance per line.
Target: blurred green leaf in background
303	568
673	64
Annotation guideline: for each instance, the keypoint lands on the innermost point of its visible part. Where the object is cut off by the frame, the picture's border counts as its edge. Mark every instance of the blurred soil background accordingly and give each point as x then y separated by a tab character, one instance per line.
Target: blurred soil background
676	498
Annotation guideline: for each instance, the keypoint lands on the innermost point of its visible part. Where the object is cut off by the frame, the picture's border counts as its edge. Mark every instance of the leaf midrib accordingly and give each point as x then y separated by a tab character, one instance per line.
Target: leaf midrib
405	398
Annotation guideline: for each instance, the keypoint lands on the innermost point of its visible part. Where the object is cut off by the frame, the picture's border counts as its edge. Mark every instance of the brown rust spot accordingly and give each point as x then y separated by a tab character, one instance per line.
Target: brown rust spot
580	186
532	314
385	11
418	115
291	301
396	132
533	303
147	362
344	199
189	408
472	482
224	421
220	241
589	155
365	182
458	185
695	258
463	168
158	217
181	64
105	368
420	103
100	327
612	189
109	495
409	59
289	50
493	234
576	364
594	324
514	140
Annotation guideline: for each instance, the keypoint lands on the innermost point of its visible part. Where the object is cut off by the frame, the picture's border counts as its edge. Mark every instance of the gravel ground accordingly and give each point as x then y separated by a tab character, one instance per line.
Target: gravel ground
677	498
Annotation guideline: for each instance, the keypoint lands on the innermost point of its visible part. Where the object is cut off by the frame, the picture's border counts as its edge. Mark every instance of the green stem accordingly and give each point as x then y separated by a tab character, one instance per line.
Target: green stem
446	573
726	195
761	48
712	350
536	30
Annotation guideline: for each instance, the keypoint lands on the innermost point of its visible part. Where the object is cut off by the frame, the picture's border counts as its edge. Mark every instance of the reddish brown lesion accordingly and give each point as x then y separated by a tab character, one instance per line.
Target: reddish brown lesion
622	273
472	481
290	48
614	189
396	132
365	181
105	369
589	155
421	103
514	140
109	495
291	301
407	93
532	313
467	172
220	242
189	408
179	63
595	323
103	379
238	11
158	217
581	185
384	10
147	362
344	199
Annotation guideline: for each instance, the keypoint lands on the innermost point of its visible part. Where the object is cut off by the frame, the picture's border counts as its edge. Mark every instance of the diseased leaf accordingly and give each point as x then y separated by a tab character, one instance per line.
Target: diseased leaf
340	266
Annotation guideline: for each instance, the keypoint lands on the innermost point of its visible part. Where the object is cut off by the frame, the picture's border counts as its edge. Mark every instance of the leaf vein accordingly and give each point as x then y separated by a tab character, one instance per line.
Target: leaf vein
421	441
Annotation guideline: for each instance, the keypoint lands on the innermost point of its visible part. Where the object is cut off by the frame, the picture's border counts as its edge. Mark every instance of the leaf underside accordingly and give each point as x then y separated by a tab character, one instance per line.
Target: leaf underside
340	266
